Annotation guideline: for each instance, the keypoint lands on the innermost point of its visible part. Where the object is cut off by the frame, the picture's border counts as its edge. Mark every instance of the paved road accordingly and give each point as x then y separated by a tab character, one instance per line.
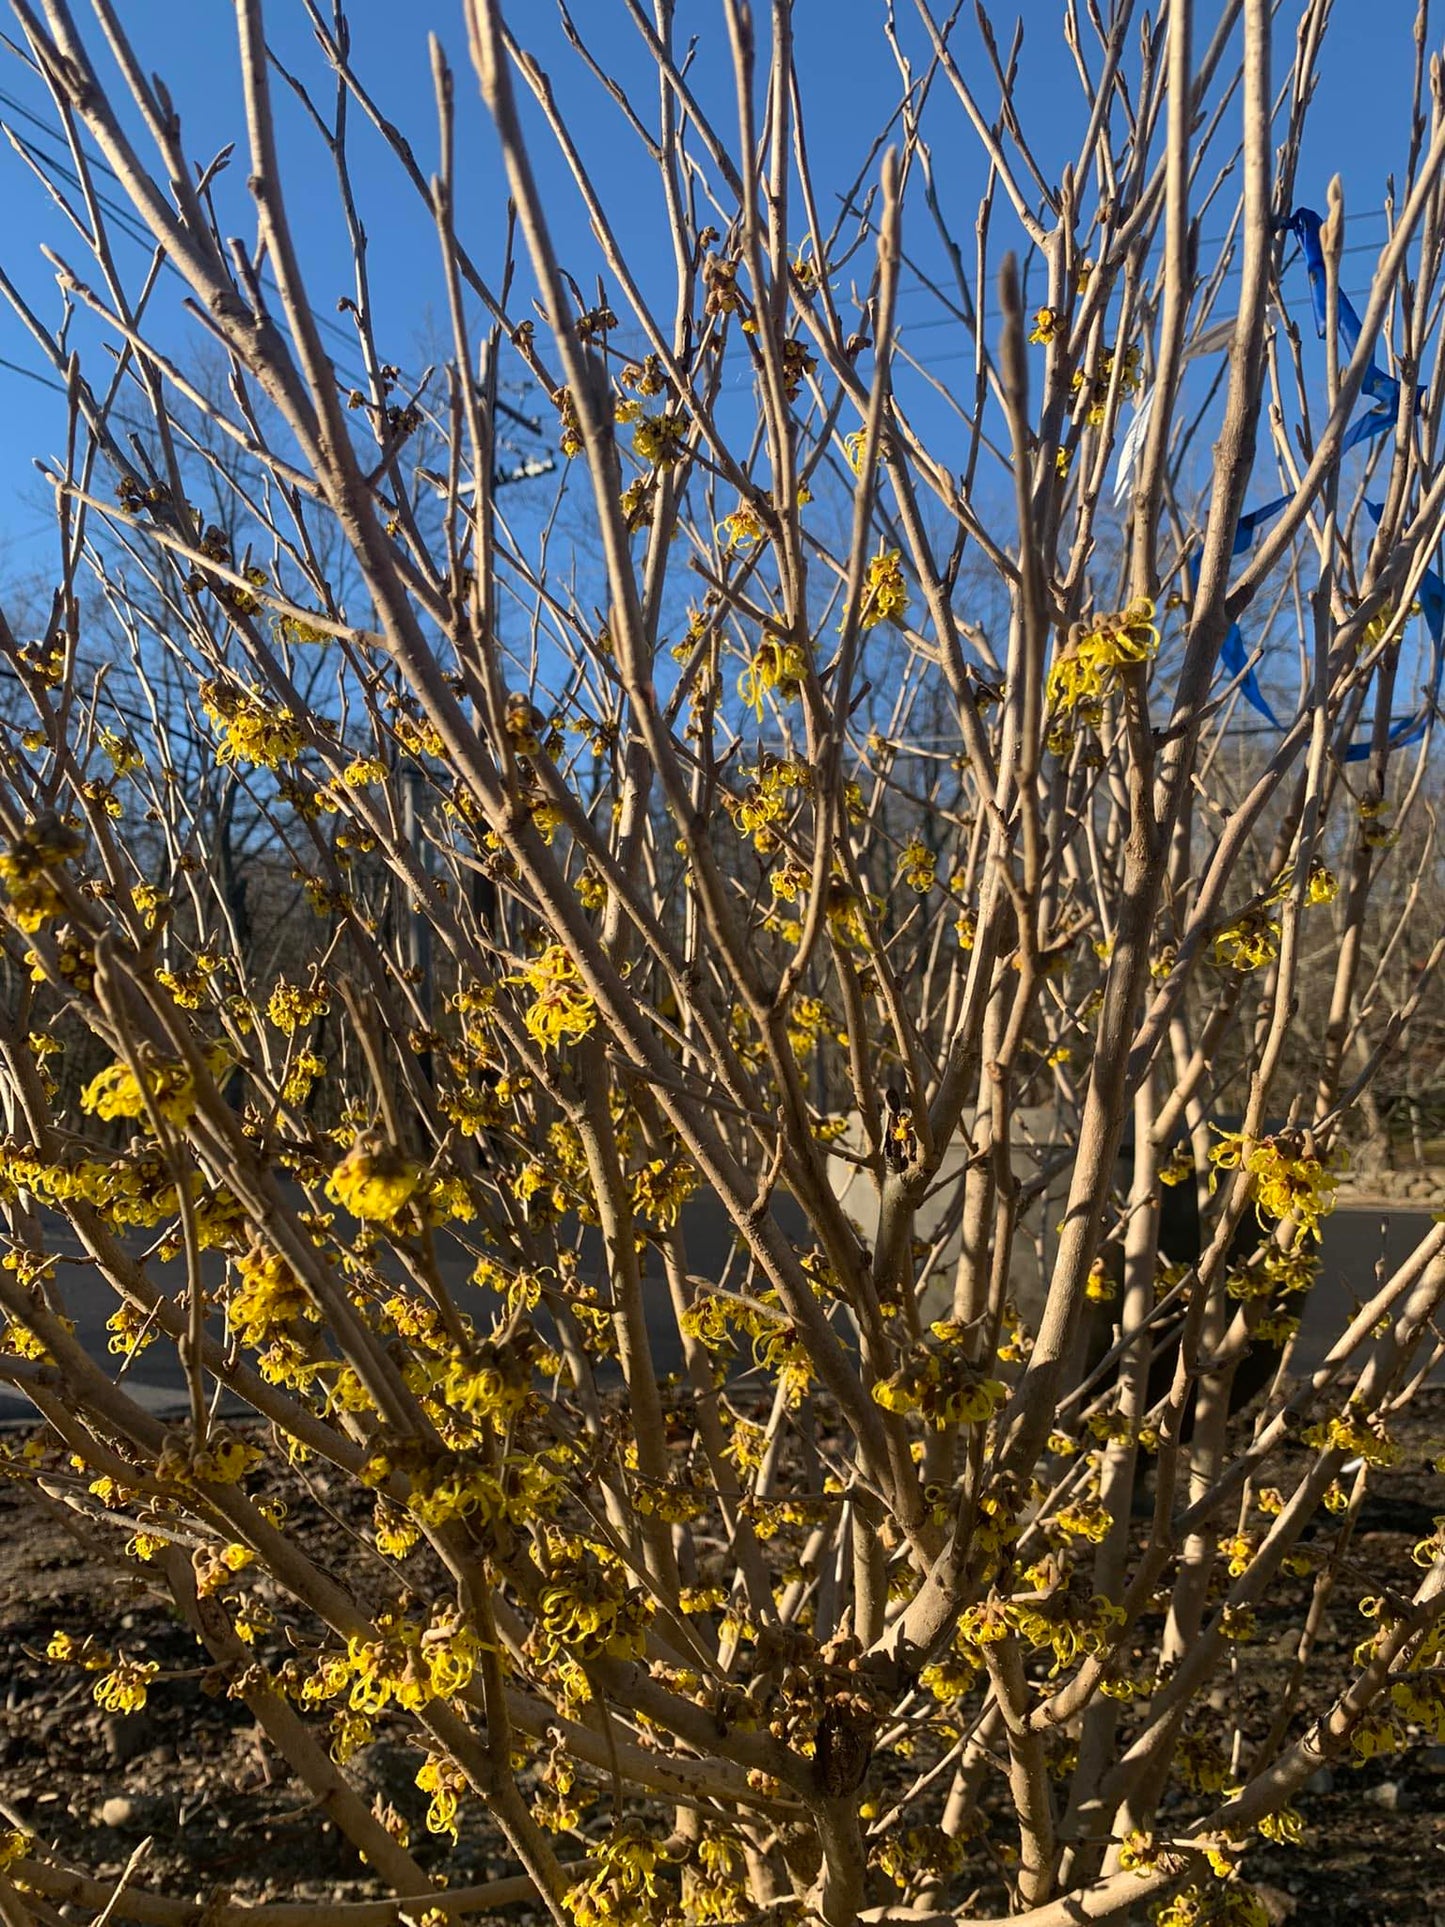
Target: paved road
1360	1247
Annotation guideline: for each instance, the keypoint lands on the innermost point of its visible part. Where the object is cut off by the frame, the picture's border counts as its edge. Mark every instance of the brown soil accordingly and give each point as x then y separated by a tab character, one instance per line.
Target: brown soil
225	1819
191	1772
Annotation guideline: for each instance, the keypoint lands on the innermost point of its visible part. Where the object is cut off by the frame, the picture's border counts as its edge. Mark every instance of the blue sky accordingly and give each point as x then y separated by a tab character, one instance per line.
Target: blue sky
850	86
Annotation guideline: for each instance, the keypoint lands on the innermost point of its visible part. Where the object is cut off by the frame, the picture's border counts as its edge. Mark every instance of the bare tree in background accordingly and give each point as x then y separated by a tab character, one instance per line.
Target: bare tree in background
855	832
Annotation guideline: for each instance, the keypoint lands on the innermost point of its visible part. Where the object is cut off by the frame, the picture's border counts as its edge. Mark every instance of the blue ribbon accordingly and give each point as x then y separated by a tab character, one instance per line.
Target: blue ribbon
1384	391
1233	655
1405	730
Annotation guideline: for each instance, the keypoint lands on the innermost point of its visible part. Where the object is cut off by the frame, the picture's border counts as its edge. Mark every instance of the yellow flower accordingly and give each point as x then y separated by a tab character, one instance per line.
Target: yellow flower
306	1067
885	593
1354	1432
1138	1852
1130	381
394	1533
918	867
854	446
1099	1286
222	1460
289	1006
267	1299
744	528
38	849
777	665
115	1092
1045	328
1087	668
1249	943
1285	1828
1291	1180
660	439
14	1845
252	730
123	1690
621	1881
1198	1905
563	1009
1376	1733
444	1780
362	770
373	1182
1084	1520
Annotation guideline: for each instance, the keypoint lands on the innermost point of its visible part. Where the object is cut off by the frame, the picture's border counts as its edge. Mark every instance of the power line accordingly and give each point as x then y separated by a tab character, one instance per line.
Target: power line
135	230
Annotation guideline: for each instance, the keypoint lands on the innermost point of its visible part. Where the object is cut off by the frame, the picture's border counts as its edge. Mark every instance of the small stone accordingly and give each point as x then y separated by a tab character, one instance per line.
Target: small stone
1389	1794
1320	1781
127	1734
117	1811
1277	1904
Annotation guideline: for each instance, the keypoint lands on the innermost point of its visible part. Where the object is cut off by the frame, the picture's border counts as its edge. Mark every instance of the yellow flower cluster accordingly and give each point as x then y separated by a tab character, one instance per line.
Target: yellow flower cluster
661	1188
563	1009
1229	1904
14	1845
778	667
405	1663
62	1647
912	1854
290	1007
252	731
1066	1621
1422	1699
188	987
953	1677
621	1886
374	1182
1354	1432
117	1092
267	1299
660	440
716	1881
941	1385
224	1459
128	1191
123	1690
811	1019
443	1779
496	1499
1085	671
1291	1181
1321	885
592	1611
1130	380
1084	1519
1249	943
25	868
767	799
885	592
918	867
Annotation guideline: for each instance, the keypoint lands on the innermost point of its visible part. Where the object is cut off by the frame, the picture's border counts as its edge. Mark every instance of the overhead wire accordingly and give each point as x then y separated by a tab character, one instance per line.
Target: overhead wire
135	230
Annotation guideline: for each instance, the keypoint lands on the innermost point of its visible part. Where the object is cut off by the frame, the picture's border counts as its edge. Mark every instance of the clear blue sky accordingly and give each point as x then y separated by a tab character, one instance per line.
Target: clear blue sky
850	85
